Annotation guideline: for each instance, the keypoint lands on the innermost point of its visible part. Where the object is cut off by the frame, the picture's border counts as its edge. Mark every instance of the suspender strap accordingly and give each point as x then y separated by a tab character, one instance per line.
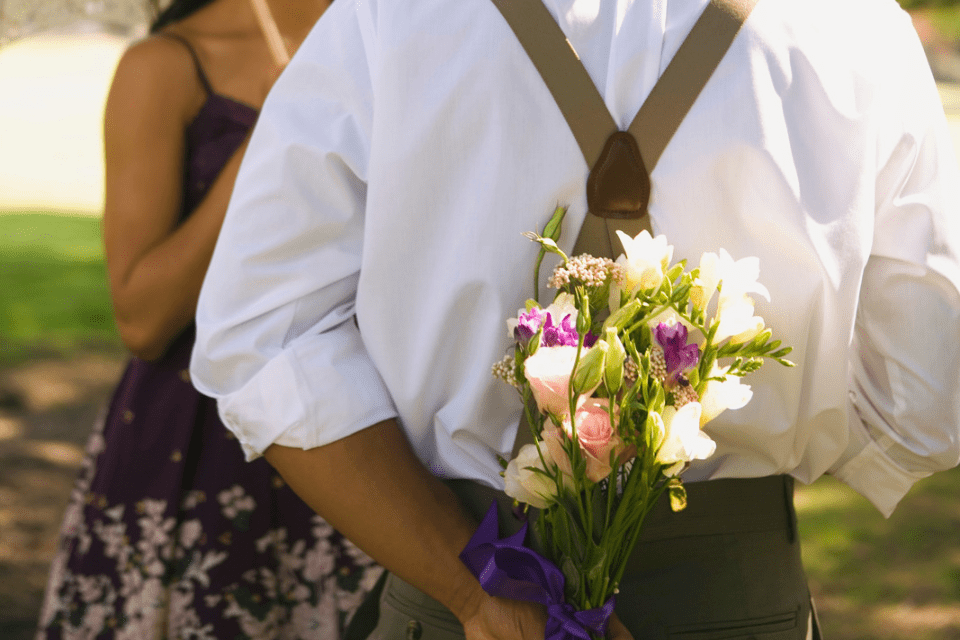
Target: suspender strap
686	75
563	73
586	113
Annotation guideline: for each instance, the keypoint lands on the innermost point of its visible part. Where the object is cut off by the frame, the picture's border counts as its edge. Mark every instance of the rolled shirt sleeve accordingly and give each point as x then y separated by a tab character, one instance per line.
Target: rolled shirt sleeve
277	344
905	362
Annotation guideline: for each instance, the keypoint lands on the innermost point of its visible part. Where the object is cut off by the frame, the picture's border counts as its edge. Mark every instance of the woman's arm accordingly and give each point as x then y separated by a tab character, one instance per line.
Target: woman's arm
155	267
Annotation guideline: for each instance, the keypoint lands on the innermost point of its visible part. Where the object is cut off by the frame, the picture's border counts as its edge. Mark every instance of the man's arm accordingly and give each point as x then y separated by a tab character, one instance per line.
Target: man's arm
278	347
373	489
904	365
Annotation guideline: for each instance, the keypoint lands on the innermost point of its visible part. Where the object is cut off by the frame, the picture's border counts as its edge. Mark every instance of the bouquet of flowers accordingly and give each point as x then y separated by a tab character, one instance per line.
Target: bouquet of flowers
618	374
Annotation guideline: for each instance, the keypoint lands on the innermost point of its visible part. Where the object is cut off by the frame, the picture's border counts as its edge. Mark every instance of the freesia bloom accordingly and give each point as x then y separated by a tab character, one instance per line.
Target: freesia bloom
705	284
526	485
683	440
548	373
561	317
737	322
720	395
739	277
680	357
644	261
562	335
527	324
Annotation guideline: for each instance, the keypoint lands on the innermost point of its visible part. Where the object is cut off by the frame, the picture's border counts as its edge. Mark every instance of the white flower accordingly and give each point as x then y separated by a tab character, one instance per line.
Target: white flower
683	440
319	561
190	532
739	277
645	260
720	395
548	373
95	618
705	284
526	485
315	621
320	528
737	322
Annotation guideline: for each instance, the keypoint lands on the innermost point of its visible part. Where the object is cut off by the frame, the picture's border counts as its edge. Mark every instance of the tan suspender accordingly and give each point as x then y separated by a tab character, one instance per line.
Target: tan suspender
618	187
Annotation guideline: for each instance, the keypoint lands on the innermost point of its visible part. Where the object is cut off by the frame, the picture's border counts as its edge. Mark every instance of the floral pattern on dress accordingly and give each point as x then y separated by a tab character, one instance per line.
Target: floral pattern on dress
160	567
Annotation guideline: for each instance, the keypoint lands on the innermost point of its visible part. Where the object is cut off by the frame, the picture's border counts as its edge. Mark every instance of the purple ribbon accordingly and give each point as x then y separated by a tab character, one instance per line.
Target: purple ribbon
508	569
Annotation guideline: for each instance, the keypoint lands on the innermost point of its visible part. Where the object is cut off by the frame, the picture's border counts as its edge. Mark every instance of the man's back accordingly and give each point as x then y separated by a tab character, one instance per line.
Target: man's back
425	160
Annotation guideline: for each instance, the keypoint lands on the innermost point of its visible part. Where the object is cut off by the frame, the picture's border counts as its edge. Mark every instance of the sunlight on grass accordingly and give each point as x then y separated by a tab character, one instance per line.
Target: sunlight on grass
874	578
53	277
947	21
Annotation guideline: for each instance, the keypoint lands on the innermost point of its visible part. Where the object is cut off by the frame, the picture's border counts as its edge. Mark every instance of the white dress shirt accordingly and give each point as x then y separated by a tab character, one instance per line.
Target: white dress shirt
372	250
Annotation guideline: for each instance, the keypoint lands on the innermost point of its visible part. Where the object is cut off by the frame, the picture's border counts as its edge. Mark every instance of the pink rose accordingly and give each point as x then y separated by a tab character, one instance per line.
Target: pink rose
548	372
597	438
554	439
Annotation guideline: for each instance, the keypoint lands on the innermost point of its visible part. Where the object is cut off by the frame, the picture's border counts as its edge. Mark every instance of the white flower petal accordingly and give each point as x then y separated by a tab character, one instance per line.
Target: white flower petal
720	395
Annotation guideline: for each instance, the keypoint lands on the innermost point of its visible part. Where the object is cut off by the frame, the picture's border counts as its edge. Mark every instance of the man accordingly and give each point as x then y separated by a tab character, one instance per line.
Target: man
373	249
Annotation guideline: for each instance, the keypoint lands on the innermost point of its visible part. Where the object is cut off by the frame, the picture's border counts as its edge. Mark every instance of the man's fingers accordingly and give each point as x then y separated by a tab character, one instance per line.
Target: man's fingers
616	630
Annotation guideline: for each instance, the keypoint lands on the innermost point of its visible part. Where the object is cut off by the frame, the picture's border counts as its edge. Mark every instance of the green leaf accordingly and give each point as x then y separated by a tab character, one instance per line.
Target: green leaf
572	577
596	564
674	272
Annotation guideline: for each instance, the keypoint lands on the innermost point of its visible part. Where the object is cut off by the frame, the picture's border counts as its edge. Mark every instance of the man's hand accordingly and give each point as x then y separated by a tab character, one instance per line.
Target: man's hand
502	619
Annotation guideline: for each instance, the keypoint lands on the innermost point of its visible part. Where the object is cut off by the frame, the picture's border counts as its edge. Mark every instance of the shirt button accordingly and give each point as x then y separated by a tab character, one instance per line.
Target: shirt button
414	630
128	416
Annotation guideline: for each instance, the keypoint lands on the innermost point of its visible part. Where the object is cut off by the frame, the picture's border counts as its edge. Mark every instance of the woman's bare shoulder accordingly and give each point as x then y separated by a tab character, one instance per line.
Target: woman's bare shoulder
158	71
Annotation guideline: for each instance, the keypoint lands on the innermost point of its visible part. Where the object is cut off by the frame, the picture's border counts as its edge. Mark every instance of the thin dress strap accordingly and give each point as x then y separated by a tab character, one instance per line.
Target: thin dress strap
196	59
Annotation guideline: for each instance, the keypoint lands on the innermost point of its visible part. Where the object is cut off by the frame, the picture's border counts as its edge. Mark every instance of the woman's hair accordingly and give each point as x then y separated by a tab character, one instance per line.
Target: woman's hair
176	10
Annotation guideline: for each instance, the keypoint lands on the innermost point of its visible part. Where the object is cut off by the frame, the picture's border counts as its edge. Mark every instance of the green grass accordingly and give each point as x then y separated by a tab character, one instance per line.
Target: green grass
55	299
878	579
947	21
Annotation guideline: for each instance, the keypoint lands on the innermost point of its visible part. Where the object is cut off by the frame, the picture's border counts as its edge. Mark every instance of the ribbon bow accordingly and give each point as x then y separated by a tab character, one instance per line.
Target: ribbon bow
508	569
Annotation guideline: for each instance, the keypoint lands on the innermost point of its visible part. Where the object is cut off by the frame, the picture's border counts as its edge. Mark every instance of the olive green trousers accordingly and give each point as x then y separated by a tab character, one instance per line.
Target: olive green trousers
726	568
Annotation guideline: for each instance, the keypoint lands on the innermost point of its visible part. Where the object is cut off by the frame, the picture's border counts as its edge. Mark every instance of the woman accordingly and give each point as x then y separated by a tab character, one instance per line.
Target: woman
170	533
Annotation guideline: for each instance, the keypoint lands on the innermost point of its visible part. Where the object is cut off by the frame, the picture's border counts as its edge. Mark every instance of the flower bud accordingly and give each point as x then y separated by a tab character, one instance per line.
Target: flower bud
655	430
552	229
583	317
623	316
589	371
616	356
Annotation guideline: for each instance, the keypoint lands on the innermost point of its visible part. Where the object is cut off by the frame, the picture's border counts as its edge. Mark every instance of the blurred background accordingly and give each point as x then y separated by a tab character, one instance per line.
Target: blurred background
896	579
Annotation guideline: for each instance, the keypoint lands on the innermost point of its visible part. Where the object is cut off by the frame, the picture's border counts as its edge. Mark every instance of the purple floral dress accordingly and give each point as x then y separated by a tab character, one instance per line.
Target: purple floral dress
169	533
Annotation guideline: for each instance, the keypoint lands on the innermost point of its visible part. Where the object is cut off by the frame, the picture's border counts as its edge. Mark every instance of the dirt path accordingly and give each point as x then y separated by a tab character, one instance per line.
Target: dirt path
47	408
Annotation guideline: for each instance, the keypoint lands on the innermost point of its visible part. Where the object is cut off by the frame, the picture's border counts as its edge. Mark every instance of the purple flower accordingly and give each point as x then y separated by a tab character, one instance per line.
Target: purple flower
680	356
564	335
528	324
